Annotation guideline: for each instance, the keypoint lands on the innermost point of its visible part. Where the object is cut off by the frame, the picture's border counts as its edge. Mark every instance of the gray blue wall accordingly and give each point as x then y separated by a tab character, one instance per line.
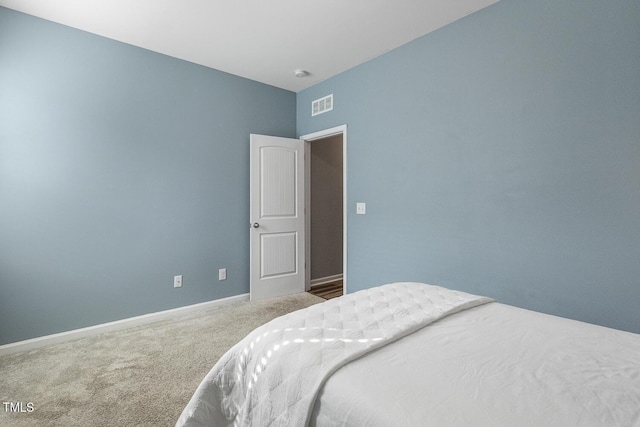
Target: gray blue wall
501	155
119	168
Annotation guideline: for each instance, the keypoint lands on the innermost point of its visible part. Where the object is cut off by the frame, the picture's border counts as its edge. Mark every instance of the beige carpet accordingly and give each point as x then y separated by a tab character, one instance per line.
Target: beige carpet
142	376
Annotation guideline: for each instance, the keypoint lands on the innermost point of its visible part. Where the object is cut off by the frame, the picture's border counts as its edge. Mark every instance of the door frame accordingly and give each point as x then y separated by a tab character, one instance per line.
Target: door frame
308	138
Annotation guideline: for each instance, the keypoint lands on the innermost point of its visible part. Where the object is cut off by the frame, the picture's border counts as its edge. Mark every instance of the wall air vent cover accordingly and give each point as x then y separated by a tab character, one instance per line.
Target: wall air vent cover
322	105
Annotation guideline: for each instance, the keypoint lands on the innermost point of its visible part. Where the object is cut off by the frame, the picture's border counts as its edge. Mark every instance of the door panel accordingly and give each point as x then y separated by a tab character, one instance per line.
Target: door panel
277	216
279	254
278	189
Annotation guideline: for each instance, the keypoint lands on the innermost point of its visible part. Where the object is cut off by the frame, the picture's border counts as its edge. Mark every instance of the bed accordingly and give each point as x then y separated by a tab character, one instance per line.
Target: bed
411	354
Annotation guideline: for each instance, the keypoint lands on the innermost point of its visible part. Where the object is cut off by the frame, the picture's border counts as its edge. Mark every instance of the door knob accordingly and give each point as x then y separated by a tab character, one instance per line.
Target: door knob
256	225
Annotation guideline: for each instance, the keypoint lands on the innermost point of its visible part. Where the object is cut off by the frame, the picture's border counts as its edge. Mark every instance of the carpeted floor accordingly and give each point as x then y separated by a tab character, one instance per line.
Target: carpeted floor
142	376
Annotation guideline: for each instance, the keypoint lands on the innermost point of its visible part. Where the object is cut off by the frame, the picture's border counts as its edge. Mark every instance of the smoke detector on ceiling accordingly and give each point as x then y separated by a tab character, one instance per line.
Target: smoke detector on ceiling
301	73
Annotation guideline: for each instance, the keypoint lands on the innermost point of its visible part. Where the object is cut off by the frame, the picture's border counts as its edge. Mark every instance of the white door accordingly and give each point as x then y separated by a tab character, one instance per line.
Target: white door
277	216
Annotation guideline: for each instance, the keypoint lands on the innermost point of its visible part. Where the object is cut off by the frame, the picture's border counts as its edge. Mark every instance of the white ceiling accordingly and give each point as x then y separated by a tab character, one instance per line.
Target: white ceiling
263	40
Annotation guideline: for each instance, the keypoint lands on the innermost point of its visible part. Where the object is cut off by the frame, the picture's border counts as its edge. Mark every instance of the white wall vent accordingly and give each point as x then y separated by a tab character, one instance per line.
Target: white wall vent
322	105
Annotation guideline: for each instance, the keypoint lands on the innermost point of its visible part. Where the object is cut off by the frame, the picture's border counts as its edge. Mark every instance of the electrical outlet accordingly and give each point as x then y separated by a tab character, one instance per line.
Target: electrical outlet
222	274
177	281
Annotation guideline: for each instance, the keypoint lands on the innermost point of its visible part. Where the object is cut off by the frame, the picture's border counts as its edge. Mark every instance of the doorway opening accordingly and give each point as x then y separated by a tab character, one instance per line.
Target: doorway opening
325	182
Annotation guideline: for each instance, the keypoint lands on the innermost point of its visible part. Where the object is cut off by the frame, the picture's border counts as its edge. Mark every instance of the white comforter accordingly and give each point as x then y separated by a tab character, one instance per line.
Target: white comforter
273	376
491	366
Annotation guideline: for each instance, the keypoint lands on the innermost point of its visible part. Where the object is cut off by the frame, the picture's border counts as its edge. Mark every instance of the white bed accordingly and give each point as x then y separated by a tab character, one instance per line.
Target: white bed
466	362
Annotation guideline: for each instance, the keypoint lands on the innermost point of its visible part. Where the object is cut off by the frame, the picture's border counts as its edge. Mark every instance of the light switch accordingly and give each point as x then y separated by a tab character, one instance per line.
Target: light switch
361	208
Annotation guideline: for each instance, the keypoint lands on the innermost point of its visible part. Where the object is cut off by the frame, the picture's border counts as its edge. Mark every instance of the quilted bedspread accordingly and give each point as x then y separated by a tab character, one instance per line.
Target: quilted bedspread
272	377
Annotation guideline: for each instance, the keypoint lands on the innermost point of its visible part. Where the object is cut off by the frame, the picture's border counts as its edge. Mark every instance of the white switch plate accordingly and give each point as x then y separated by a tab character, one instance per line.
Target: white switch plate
222	274
177	281
361	208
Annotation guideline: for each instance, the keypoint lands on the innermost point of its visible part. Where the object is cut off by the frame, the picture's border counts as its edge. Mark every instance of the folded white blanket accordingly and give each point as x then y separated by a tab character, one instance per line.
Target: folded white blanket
272	377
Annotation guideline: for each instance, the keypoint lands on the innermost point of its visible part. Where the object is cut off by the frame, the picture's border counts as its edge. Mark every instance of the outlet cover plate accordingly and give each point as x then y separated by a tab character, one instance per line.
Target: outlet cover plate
177	281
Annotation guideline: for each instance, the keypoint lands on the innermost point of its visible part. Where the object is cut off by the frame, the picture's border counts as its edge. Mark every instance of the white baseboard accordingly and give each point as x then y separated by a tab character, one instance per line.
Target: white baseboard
35	343
323	280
